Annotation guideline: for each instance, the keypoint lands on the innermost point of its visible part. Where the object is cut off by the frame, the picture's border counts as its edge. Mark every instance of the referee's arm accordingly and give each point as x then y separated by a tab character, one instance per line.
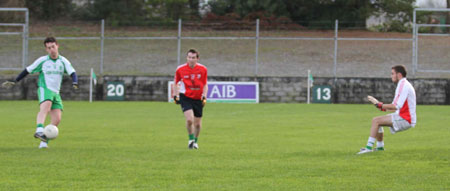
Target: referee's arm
205	90
176	79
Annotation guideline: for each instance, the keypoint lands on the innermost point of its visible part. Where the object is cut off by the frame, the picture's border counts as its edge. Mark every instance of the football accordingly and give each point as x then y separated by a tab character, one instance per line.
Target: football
51	131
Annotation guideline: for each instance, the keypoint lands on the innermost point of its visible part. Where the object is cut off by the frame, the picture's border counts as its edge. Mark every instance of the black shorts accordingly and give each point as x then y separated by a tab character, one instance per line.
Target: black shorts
188	103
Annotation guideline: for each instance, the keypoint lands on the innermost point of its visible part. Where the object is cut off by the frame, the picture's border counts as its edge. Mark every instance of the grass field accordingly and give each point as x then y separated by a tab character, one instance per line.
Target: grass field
143	146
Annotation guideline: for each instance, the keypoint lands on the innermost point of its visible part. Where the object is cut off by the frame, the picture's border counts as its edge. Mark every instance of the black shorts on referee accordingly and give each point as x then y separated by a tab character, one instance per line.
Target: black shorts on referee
188	103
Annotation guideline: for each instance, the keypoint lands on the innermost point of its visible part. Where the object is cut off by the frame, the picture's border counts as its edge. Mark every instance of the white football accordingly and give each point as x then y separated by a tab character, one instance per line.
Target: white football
51	131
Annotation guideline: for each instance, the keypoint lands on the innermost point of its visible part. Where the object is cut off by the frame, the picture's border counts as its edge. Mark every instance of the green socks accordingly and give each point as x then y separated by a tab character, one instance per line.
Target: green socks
40	127
370	143
192	137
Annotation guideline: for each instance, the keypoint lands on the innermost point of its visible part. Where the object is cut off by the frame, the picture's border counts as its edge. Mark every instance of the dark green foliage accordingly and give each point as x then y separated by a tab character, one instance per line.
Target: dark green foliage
322	14
305	12
49	9
138	12
114	11
398	12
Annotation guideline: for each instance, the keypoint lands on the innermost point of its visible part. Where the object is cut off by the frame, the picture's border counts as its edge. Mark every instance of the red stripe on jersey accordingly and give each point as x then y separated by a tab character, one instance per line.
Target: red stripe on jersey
404	112
399	92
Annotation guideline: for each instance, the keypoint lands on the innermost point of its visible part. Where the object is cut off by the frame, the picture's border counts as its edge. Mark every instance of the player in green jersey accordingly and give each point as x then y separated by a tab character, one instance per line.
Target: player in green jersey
51	69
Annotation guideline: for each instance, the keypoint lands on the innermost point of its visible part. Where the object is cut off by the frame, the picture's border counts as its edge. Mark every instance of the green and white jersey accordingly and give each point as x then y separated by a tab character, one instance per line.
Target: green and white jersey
51	71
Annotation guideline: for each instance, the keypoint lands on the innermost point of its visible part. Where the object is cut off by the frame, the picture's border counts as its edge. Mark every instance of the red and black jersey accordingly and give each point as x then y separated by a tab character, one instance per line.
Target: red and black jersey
192	80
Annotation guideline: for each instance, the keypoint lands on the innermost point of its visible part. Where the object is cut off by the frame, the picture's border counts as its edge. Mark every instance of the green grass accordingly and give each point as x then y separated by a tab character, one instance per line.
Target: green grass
143	146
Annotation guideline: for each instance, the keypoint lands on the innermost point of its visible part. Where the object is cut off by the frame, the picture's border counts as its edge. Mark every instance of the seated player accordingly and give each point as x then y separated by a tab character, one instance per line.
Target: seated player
404	105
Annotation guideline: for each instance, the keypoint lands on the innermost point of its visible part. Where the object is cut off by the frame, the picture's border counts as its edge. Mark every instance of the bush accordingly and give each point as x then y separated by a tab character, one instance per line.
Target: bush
48	9
398	26
393	26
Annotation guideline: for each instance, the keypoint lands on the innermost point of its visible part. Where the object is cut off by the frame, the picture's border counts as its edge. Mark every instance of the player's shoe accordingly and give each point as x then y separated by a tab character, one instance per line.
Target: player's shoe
195	146
364	151
191	144
41	136
43	145
379	149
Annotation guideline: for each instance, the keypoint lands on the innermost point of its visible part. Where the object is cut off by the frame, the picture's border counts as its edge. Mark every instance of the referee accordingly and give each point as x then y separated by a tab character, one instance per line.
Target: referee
190	92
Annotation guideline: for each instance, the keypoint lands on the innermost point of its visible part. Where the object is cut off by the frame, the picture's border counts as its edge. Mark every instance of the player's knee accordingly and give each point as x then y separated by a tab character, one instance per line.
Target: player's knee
44	110
56	120
189	121
375	120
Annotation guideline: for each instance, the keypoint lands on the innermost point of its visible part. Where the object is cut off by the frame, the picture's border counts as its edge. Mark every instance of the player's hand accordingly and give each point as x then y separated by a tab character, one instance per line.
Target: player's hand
75	86
372	99
379	105
176	99
8	84
203	101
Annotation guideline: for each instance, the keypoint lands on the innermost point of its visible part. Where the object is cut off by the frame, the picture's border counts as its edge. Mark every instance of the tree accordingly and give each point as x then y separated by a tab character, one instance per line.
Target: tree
306	12
137	12
245	7
118	11
11	16
399	9
323	13
49	9
399	14
194	8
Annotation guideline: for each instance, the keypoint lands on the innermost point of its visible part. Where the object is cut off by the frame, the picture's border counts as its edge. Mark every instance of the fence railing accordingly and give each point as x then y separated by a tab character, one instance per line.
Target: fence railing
334	61
24	34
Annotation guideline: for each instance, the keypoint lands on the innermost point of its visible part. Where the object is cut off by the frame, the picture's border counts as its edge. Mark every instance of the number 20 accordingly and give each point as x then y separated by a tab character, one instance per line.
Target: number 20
115	90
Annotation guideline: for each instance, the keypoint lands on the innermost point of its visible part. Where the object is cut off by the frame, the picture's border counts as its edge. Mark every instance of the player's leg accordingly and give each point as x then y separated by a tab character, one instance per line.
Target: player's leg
56	111
377	122
198	113
380	142
198	127
187	108
189	116
55	115
44	109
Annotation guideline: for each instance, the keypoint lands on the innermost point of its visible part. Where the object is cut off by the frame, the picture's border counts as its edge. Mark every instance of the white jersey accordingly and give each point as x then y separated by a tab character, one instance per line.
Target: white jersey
405	101
51	71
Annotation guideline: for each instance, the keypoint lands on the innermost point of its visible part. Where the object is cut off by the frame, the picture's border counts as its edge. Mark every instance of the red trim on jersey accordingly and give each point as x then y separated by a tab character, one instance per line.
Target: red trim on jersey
399	92
404	112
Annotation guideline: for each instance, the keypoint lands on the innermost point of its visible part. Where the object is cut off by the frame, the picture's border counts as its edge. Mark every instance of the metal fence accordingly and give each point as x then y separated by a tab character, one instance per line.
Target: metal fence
251	51
23	34
444	58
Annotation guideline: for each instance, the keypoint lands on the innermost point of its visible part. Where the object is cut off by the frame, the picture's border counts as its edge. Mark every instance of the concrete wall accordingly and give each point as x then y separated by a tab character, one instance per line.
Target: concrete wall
272	89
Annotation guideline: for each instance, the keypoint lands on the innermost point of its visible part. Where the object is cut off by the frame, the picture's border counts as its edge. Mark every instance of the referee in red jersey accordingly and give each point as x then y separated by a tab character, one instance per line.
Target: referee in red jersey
190	92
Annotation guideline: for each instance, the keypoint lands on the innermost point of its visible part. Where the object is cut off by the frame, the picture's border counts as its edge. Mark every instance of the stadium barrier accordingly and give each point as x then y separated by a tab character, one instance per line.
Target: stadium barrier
271	89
